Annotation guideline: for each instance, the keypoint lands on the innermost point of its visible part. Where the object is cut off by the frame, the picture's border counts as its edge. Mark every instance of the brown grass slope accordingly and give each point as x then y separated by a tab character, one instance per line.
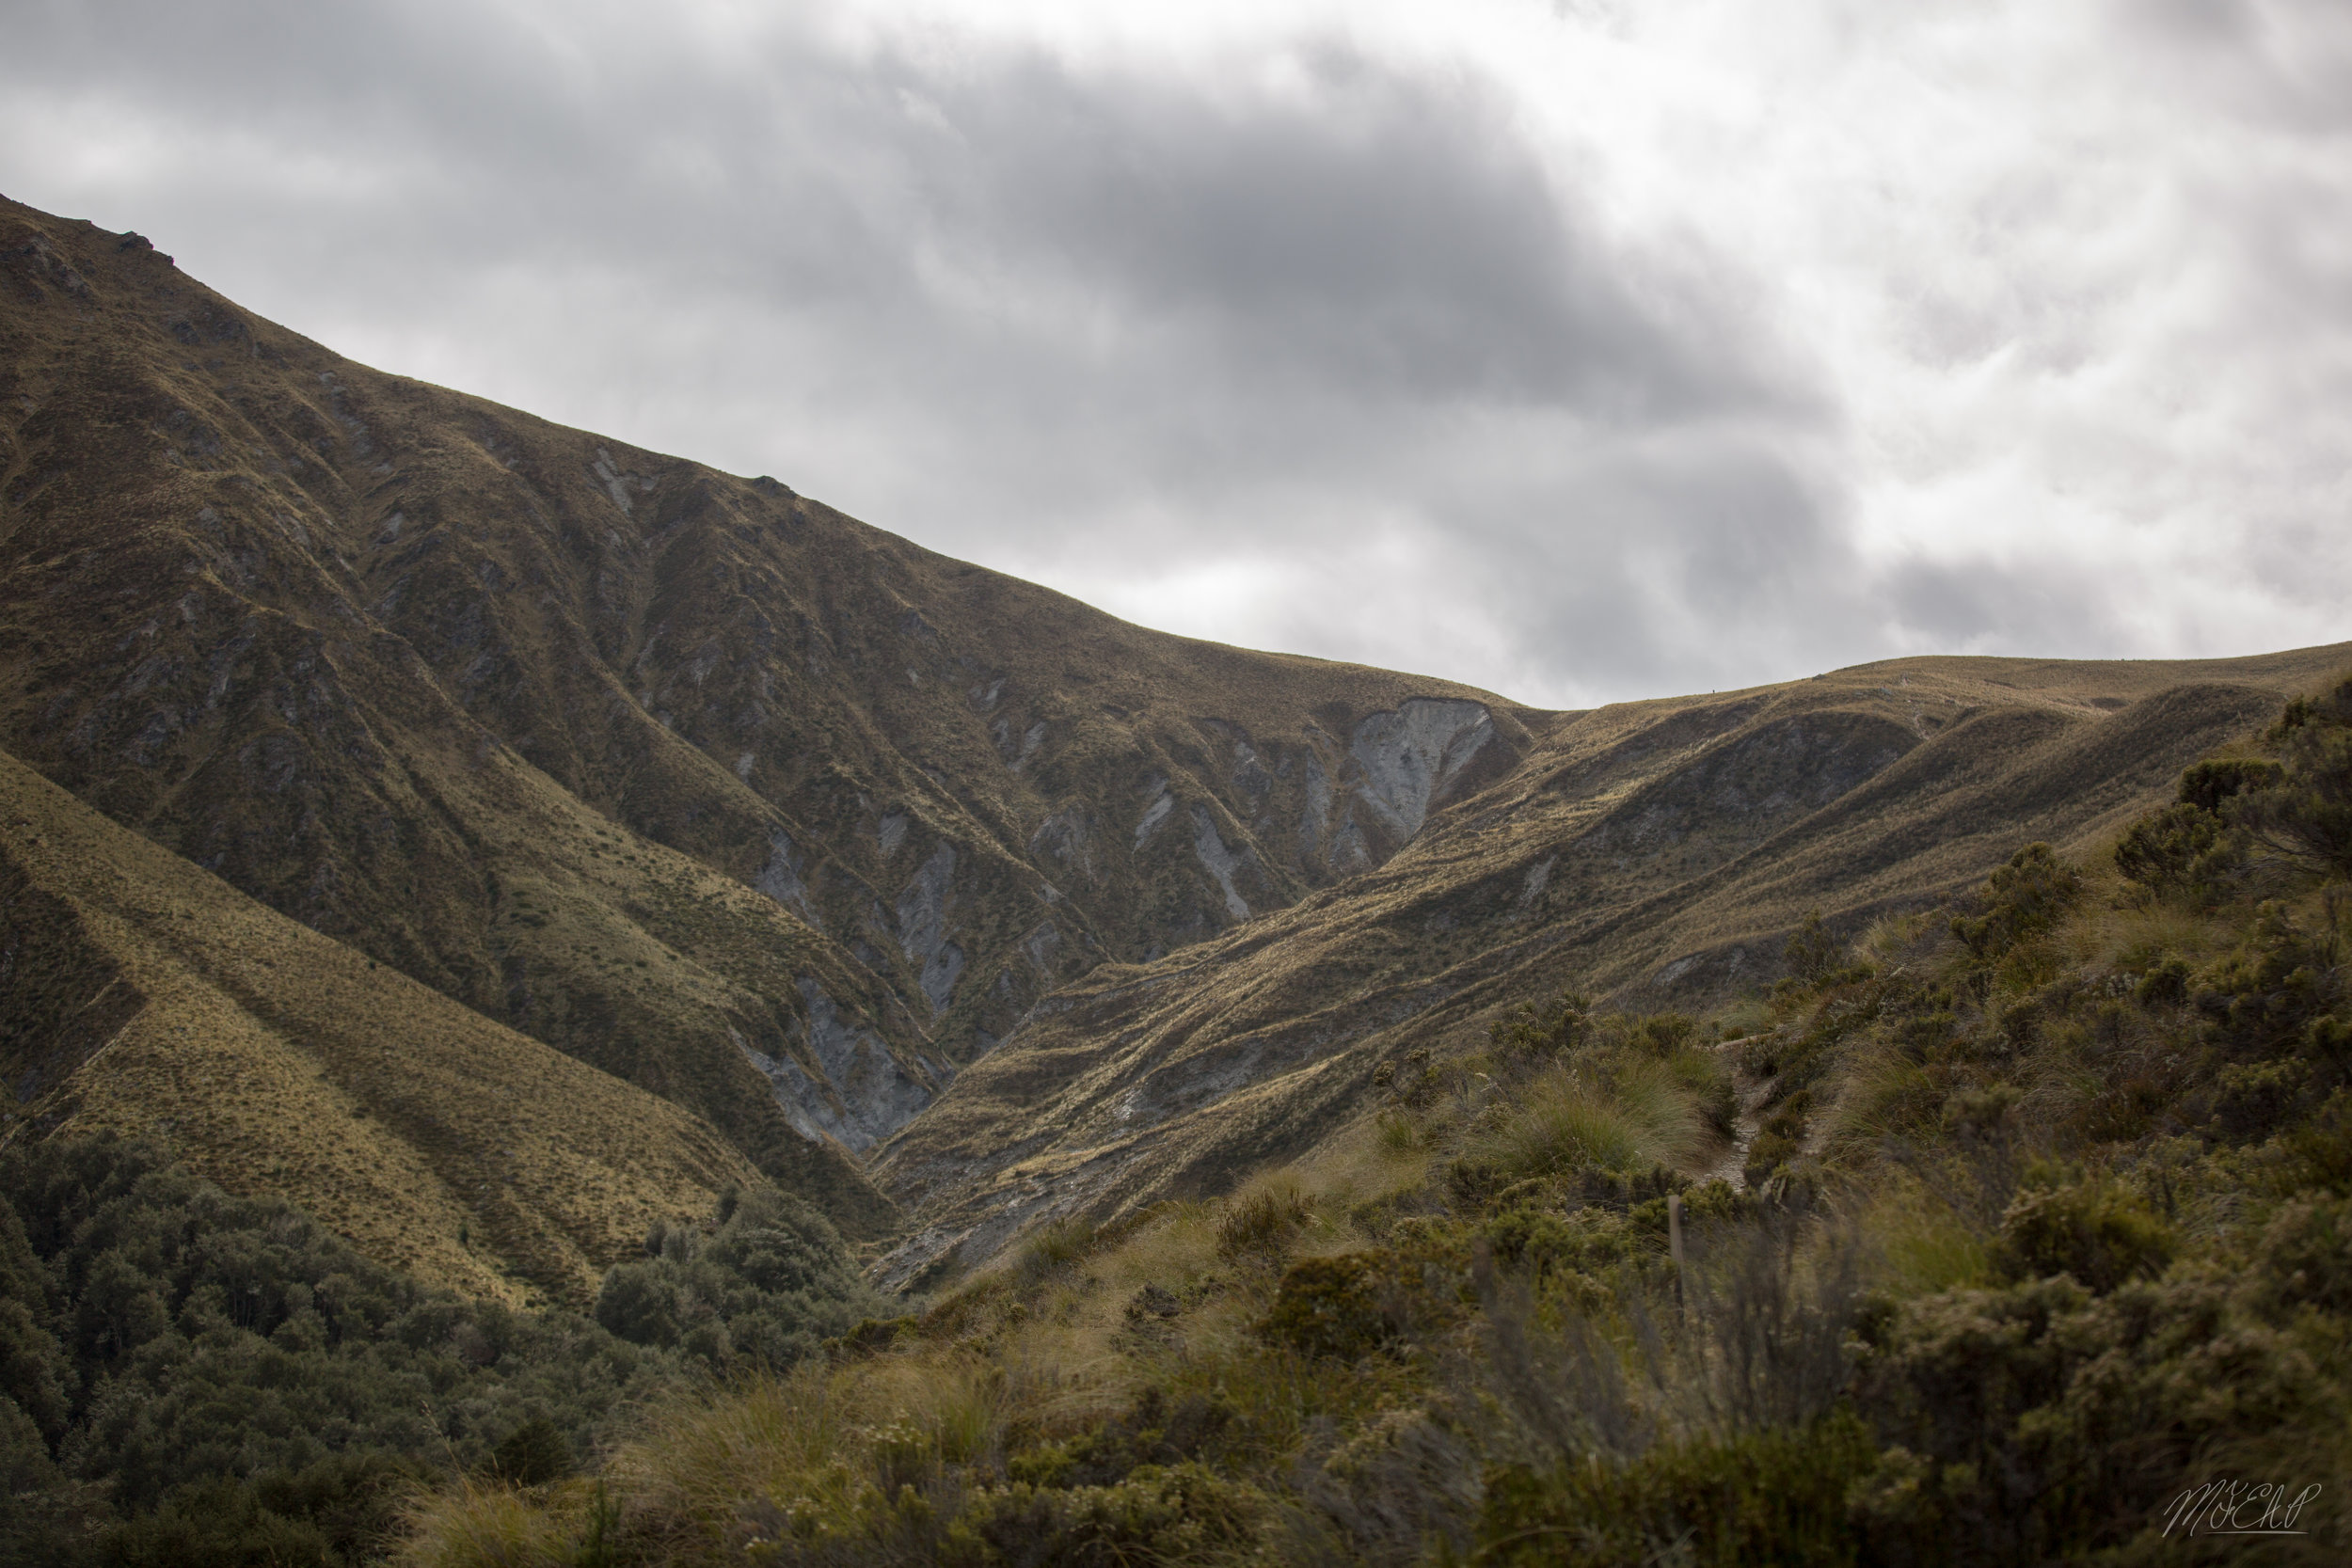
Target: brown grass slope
143	994
1658	852
761	809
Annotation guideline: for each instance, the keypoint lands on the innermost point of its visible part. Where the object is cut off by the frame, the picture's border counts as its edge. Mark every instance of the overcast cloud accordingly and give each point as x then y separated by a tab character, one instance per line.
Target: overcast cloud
1578	351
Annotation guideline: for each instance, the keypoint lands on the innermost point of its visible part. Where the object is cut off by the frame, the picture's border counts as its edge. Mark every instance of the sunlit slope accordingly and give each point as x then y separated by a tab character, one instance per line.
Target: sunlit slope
502	704
141	993
1657	852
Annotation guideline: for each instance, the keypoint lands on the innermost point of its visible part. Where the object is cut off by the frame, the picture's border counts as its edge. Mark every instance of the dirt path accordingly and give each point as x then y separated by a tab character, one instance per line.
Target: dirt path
1753	1091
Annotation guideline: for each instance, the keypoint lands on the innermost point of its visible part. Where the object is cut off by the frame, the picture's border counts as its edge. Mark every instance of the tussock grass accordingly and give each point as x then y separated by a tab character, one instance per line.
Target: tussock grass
1563	1122
1926	1243
475	1526
1261	1218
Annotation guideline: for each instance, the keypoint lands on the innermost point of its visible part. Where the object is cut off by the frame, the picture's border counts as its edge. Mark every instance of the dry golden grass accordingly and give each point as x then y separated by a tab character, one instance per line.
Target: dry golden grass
277	1061
482	1525
1924	1243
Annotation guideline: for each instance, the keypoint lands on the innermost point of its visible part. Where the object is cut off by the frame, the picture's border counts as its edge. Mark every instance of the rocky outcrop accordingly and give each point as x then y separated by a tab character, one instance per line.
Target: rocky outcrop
1159	803
780	878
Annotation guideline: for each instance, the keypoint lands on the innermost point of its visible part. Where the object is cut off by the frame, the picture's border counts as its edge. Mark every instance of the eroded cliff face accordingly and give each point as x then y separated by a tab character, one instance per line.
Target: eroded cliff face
492	700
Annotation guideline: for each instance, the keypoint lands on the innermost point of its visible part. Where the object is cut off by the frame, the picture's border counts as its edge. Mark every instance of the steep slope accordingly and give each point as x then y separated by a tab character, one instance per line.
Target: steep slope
1658	852
756	807
141	993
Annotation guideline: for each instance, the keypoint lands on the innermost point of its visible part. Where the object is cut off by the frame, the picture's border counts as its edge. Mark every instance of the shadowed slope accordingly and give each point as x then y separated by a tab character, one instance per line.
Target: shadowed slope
143	994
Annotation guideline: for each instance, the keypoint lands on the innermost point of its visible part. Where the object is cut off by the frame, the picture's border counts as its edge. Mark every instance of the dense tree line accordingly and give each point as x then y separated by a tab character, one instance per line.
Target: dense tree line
189	1377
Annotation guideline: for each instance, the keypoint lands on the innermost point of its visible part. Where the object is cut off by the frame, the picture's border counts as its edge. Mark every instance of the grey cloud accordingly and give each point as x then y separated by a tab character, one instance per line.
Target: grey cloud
1100	323
1982	606
1389	233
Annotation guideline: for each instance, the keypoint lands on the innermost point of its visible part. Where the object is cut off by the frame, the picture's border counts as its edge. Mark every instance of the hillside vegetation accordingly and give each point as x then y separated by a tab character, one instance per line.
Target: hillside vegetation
2014	1231
559	1006
189	1378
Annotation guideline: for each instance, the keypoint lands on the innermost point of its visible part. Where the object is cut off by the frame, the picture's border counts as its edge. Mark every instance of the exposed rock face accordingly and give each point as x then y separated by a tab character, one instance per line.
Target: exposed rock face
923	905
866	1092
1408	757
780	878
1061	842
1222	862
1155	812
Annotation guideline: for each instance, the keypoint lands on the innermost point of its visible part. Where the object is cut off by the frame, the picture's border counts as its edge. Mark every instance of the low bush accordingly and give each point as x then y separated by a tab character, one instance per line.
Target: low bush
2093	1230
1777	1496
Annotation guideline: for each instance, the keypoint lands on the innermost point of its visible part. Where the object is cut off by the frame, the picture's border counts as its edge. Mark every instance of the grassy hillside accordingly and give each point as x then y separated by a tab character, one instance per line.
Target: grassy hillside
141	995
683	774
2012	1231
1654	853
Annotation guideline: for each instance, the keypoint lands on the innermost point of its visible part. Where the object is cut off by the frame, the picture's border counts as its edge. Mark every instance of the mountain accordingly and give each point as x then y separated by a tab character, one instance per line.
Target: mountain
936	897
762	810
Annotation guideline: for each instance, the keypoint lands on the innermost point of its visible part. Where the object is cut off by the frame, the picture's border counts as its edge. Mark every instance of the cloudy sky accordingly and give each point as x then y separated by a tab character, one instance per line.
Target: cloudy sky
1582	350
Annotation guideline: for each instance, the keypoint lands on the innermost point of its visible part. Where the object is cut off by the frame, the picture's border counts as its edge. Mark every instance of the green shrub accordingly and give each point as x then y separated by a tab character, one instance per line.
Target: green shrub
1156	1515
1664	1035
208	1374
1352	1305
1543	1241
2252	1099
2307	812
764	1289
2262	997
2172	851
343	1509
534	1454
2093	1230
1554	1028
2305	1259
1812	953
2035	1424
2021	899
1151	1431
1775	1497
2206	785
